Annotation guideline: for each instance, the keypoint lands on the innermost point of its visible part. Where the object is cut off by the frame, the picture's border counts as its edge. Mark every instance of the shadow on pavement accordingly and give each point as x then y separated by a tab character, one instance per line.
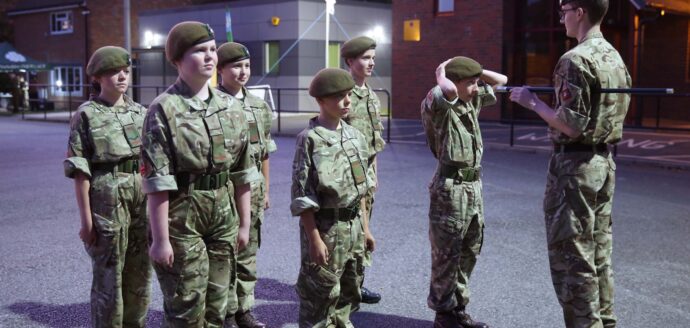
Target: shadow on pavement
377	320
67	315
274	290
285	313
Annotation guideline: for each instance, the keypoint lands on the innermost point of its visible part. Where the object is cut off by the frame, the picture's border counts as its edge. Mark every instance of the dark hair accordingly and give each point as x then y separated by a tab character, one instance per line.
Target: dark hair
596	9
95	87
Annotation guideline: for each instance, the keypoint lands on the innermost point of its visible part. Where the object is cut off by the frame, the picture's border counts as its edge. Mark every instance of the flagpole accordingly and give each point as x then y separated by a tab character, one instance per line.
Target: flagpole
330	10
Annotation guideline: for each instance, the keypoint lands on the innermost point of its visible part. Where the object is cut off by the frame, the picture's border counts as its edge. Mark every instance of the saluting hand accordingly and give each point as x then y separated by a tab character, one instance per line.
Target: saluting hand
318	252
162	253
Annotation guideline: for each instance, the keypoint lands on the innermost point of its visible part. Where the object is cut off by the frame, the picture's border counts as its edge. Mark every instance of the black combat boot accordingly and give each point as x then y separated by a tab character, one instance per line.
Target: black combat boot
247	320
370	297
229	322
466	321
446	320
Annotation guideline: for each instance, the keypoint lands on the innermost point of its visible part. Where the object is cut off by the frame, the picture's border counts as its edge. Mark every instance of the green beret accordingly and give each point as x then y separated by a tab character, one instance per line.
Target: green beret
231	52
107	58
329	81
461	68
184	36
357	46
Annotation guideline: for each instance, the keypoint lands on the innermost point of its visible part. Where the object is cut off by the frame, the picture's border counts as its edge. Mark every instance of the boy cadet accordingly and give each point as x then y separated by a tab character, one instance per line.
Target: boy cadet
329	181
365	115
234	68
456	216
581	175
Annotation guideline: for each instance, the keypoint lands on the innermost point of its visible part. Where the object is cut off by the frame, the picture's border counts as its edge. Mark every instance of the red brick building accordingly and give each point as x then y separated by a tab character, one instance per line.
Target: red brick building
524	39
65	33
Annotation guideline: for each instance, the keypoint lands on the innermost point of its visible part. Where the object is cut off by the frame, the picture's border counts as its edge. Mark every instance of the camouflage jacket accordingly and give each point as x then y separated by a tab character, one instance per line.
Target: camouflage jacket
101	133
329	169
259	117
183	134
452	129
590	66
365	116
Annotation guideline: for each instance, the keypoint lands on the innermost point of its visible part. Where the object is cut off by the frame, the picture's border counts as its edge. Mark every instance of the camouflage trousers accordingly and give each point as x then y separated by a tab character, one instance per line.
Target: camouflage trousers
577	208
369	209
327	292
203	227
241	295
456	231
120	291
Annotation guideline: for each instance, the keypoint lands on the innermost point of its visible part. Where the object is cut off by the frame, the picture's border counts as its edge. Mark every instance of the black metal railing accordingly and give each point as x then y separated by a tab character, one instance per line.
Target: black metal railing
639	106
69	103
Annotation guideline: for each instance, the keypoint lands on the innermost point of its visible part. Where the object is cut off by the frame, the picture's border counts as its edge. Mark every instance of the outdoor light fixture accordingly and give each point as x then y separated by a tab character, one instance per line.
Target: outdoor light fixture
377	33
411	30
152	39
58	83
275	20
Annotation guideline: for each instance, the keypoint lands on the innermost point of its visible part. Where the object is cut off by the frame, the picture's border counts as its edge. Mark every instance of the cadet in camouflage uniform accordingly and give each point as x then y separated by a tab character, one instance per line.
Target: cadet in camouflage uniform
103	157
365	115
329	180
234	68
196	158
456	215
581	175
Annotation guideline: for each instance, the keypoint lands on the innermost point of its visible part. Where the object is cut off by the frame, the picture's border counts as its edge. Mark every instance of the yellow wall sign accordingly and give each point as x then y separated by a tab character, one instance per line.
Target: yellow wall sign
411	31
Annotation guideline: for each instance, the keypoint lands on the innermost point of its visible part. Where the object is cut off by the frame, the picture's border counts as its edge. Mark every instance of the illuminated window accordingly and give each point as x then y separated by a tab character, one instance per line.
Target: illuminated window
66	80
61	22
334	54
271	55
445	7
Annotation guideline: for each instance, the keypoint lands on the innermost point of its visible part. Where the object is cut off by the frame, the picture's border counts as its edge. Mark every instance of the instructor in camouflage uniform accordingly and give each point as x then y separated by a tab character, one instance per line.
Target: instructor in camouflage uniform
235	71
581	175
365	115
197	171
456	215
103	160
329	181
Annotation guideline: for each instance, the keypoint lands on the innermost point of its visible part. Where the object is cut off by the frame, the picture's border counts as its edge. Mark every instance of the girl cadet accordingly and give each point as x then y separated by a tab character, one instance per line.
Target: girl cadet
103	160
197	166
329	181
234	68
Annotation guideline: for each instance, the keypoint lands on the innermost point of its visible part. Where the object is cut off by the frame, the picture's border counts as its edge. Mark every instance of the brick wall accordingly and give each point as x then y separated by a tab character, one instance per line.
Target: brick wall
474	30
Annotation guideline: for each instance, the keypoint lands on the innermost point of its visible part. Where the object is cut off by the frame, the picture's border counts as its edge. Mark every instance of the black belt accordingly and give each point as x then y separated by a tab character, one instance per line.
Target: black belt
203	181
581	148
340	214
371	159
469	174
126	166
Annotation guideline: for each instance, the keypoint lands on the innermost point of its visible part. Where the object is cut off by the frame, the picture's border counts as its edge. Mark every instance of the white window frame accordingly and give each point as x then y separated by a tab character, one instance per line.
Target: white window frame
56	74
59	17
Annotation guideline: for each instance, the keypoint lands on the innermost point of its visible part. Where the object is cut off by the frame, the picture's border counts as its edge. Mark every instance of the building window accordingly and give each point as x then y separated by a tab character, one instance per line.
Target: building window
271	55
61	22
334	54
445	7
66	81
687	58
